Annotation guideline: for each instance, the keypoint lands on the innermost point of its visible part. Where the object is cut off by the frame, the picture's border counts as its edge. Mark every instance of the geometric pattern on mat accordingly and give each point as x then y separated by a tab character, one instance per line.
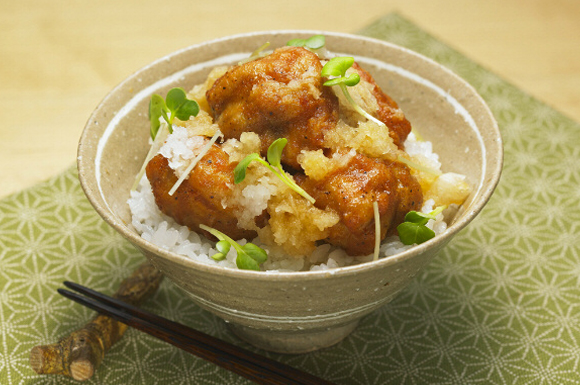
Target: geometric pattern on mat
499	305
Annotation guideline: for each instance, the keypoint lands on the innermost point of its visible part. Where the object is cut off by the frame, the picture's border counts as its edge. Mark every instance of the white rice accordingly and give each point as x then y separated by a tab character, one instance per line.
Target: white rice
163	231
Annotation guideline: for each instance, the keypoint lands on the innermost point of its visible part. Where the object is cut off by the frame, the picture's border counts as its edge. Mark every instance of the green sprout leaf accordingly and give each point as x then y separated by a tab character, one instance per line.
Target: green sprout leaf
223	248
249	255
256	253
296	42
274	156
414	229
218	256
246	262
240	170
351	80
274	153
181	107
411	233
156	105
337	66
175	104
313	42
417	217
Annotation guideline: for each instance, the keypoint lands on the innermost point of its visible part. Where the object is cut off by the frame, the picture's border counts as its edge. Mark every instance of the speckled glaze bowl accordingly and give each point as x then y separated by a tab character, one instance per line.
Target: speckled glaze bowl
305	311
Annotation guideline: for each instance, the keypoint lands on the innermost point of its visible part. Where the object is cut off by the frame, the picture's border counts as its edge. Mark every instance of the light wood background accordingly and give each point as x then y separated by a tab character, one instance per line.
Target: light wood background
59	58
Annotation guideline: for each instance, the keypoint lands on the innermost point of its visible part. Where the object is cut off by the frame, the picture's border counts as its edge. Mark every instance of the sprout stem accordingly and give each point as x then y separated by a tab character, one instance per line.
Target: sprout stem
221	236
357	107
195	160
294	186
377	230
279	172
155	146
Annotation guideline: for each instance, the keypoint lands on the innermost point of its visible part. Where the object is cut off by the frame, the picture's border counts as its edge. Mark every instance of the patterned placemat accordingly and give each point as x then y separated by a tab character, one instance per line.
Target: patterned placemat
499	305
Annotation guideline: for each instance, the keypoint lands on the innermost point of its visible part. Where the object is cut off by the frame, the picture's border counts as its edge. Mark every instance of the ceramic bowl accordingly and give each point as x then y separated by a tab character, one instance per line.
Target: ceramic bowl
304	311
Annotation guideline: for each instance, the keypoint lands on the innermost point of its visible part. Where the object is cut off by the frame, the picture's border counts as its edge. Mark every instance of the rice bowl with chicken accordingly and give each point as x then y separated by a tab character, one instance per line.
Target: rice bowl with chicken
354	175
312	305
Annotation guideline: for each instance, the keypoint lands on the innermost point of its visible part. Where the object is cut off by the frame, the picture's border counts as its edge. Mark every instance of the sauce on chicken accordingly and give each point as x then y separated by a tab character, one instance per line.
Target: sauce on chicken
282	95
279	96
199	198
351	191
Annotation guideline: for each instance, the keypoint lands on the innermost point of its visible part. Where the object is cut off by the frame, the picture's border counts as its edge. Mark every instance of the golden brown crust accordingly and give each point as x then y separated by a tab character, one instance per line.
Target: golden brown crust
199	199
279	96
388	112
351	191
282	95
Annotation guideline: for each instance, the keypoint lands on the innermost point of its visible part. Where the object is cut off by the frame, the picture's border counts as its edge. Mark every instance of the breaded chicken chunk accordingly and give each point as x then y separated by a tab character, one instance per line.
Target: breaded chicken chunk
388	111
198	200
351	191
282	96
278	96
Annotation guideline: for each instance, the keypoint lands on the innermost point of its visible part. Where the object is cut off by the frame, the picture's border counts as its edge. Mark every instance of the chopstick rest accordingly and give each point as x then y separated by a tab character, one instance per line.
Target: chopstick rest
250	365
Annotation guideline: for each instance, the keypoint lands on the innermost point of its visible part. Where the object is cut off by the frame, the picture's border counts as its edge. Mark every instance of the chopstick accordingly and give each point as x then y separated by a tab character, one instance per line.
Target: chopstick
250	365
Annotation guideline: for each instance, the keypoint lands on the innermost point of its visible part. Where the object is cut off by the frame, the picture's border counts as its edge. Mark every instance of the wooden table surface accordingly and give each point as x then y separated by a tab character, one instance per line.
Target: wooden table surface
59	58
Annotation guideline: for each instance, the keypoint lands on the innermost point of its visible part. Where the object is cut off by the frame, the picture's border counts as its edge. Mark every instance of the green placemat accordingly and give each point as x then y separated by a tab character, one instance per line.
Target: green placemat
499	305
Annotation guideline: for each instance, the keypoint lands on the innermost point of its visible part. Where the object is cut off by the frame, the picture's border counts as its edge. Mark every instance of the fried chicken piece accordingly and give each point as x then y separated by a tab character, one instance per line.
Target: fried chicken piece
282	95
198	200
388	111
351	190
278	96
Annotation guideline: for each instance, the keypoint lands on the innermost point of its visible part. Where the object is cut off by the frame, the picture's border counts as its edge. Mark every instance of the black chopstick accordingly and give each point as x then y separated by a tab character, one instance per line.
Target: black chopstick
252	366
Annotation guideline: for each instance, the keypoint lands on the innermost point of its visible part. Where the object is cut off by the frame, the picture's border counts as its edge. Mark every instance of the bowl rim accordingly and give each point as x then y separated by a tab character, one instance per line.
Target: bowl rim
494	164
